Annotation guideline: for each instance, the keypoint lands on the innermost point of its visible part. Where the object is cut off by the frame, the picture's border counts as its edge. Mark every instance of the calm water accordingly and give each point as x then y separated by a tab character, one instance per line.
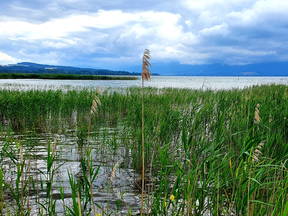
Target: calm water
213	83
107	191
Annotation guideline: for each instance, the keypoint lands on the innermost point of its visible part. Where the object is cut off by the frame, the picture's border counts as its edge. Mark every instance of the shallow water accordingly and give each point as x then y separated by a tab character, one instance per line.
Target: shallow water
108	191
214	83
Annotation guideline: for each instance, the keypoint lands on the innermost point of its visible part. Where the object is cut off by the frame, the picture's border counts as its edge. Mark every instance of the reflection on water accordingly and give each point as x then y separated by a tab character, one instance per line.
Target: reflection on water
213	83
108	191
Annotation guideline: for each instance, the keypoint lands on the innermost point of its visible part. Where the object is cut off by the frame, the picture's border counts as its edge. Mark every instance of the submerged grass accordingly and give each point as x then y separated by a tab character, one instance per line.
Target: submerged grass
206	152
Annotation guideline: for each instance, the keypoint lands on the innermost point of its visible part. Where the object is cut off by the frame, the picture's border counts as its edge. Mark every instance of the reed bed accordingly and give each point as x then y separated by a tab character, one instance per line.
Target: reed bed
206	152
63	76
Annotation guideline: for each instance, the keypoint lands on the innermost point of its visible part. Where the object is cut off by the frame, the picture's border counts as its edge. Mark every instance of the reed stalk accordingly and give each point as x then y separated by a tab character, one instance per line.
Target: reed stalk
145	76
2	185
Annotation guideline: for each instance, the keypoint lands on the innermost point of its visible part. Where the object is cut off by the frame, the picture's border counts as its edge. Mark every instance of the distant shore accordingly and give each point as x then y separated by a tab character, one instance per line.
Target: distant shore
64	76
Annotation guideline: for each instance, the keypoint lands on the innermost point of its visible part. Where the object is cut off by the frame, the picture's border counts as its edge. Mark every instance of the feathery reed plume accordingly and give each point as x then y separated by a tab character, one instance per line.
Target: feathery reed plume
257	152
145	76
257	118
93	110
146	65
95	104
114	169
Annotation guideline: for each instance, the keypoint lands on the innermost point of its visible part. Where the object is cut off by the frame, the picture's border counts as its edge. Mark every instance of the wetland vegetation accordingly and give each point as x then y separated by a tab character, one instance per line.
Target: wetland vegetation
206	152
63	76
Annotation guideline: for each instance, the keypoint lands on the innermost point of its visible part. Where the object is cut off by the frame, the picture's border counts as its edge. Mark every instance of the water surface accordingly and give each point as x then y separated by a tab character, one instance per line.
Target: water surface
213	83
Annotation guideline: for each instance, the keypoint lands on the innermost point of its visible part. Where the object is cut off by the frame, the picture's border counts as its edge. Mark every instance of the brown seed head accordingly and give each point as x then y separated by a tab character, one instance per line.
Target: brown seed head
95	104
257	118
146	65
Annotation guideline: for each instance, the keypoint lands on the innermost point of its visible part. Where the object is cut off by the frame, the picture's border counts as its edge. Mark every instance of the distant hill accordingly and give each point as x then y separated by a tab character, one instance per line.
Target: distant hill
28	67
164	68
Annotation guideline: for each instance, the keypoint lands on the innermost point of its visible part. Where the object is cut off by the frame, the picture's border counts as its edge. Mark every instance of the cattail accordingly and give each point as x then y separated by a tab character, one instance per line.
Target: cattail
257	152
95	104
146	65
257	118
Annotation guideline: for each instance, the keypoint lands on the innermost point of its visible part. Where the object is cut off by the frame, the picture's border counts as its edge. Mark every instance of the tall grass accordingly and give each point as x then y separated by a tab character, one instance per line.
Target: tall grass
207	152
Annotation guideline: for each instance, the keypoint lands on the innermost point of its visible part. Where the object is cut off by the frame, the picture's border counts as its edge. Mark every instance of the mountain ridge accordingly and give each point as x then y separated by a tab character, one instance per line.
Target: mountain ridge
164	68
30	67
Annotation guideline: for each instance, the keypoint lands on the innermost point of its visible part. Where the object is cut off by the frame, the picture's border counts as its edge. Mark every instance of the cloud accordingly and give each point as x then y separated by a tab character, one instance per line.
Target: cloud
240	31
108	31
63	27
6	59
96	33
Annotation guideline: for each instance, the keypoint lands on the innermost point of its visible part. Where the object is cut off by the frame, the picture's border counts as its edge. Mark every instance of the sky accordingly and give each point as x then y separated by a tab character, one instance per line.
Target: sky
114	34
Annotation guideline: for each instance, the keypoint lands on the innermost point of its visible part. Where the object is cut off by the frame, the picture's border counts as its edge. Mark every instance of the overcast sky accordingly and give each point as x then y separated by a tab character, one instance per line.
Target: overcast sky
110	34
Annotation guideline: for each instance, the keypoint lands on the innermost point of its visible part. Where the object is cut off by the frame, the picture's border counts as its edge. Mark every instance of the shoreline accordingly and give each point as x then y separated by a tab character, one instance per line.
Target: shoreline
64	76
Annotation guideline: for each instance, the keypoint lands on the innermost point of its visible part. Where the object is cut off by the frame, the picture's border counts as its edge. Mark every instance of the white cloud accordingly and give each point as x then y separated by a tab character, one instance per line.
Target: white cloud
216	6
162	24
221	29
193	31
111	28
6	59
63	27
64	43
262	12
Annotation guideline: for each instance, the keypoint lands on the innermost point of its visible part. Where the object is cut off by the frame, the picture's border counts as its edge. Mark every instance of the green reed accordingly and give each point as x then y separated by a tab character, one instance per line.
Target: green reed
50	205
16	188
82	188
2	183
203	151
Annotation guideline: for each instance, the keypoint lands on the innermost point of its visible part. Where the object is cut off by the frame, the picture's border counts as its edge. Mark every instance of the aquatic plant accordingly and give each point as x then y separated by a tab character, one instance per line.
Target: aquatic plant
206	152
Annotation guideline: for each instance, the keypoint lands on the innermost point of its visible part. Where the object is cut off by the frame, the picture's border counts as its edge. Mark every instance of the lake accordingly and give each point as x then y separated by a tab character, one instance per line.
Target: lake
213	83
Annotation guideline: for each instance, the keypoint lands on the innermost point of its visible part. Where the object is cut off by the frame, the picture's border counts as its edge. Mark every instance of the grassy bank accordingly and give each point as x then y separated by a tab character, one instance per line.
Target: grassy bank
63	76
214	152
